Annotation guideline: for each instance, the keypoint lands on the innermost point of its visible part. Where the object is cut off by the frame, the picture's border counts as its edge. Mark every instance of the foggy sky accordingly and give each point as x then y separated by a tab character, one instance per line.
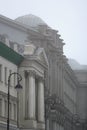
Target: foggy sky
69	17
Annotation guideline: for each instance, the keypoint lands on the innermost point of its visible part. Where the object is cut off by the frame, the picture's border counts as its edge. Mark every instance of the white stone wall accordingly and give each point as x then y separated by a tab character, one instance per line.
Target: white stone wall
10	68
69	91
82	101
82	93
81	75
14	34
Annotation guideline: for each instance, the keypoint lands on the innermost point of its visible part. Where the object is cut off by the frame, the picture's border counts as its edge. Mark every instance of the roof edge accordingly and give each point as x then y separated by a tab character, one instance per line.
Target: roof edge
10	54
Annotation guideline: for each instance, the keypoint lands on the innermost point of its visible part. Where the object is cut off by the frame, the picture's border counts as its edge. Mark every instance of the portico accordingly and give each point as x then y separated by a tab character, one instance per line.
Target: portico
32	101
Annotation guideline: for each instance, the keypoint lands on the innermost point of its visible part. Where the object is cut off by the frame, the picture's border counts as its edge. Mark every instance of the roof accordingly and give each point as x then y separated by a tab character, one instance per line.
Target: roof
10	54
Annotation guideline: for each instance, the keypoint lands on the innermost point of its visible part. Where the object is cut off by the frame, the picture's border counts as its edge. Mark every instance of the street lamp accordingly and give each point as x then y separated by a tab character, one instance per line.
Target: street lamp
18	86
75	120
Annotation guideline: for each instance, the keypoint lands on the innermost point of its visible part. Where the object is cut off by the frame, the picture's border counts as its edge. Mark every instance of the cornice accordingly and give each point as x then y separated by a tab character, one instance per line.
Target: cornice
11	23
17	25
81	71
35	59
10	54
69	81
73	102
84	84
71	73
2	94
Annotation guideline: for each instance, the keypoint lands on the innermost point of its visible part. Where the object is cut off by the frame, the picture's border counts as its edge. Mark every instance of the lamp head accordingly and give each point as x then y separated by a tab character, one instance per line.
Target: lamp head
18	87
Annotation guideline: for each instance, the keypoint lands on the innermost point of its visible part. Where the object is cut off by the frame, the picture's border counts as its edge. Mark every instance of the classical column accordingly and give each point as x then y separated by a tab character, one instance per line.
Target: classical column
41	100
31	107
26	94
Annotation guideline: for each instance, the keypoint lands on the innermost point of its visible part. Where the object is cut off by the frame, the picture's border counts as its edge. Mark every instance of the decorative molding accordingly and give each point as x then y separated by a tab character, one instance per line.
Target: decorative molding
5	96
31	73
25	74
10	54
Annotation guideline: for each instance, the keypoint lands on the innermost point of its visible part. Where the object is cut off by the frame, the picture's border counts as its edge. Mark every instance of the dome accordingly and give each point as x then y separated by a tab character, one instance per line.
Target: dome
30	20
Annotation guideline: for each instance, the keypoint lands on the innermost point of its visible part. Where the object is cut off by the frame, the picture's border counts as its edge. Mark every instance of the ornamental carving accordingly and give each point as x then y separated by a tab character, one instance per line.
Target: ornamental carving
32	73
41	79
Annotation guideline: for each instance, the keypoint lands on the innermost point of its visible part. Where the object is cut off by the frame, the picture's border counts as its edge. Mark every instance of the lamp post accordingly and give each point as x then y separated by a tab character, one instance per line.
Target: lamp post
75	120
18	86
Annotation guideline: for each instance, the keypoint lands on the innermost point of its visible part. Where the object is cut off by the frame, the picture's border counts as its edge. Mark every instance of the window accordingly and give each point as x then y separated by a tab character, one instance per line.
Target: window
14	80
6	108
51	125
14	111
0	107
0	72
10	71
5	75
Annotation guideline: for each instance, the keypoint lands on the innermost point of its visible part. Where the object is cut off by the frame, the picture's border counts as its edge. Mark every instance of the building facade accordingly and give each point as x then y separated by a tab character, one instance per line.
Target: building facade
54	93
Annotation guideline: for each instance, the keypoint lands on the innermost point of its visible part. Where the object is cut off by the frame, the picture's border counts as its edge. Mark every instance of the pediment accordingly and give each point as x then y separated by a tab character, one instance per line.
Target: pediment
41	55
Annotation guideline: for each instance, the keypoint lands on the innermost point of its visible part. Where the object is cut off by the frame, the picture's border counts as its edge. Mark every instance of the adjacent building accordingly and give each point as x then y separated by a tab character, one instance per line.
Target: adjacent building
54	92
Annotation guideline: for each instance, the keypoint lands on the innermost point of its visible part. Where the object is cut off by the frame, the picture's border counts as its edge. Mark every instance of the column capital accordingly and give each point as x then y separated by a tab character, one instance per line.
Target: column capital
41	79
26	74
31	72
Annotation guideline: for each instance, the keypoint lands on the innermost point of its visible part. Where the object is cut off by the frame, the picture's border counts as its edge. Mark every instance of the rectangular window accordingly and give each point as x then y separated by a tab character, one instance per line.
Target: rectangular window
0	72
14	111
5	75
14	80
6	108
10	71
0	107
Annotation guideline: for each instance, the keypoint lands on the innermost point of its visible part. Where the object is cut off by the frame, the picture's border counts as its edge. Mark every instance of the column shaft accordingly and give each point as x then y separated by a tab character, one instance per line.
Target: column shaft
26	95
31	112
41	101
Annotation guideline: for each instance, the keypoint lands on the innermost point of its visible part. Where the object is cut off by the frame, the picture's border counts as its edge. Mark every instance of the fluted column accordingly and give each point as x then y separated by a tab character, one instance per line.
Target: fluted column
31	112
26	94
41	100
